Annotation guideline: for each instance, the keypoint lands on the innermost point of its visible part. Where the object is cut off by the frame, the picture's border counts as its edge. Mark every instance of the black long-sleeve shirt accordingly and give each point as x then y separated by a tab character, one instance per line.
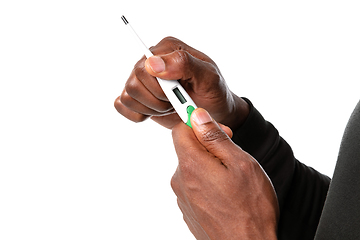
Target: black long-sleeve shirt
340	218
301	190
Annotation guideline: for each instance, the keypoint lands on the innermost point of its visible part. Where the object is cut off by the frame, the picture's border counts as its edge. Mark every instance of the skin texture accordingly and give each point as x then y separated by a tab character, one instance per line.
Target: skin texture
222	191
143	97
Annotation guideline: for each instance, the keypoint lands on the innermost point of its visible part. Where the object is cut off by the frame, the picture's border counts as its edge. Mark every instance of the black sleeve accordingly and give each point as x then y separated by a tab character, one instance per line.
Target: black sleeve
301	190
340	217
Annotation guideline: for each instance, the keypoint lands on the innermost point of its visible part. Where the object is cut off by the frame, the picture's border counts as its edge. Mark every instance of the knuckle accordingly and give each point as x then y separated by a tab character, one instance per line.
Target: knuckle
174	183
183	58
125	99
168	39
140	63
138	118
182	62
121	105
171	42
214	135
140	71
117	103
248	165
132	87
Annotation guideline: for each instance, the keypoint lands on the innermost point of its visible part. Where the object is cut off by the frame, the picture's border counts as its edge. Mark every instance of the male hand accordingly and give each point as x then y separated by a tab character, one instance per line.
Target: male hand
222	191
143	97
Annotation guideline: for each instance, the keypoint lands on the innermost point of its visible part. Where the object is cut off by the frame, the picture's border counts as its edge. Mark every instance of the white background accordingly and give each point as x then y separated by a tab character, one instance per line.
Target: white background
71	167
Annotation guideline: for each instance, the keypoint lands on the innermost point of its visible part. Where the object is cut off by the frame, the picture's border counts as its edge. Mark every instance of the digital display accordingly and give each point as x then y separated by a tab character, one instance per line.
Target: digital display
179	95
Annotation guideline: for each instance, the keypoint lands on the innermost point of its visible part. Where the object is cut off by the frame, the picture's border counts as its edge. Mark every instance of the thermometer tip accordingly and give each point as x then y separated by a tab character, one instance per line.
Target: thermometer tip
124	19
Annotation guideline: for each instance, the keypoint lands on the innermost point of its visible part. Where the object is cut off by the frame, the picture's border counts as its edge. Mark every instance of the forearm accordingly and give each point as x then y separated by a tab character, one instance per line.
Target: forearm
301	190
261	140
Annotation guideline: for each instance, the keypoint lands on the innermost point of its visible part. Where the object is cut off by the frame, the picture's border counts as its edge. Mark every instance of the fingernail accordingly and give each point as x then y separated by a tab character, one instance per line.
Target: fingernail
201	116
157	64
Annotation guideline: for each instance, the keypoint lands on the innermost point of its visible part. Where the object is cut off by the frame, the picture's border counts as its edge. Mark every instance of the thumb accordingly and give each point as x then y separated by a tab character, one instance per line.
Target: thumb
177	65
155	65
211	135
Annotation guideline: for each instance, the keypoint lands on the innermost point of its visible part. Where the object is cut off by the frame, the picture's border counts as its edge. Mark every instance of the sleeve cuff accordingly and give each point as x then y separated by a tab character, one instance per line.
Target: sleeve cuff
256	136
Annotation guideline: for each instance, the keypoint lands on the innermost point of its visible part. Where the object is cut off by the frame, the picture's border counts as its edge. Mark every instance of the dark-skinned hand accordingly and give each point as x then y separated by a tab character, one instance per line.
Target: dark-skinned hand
222	191
143	97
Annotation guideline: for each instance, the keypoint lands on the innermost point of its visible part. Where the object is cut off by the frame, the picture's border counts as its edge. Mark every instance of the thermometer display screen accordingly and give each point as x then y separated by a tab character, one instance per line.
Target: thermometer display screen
179	95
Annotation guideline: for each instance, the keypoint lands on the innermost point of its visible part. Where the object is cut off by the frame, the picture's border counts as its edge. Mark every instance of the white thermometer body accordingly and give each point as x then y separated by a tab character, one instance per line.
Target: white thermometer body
178	97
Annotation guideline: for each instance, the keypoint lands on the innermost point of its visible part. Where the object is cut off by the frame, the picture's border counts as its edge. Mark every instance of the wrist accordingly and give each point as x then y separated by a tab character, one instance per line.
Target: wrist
238	113
256	233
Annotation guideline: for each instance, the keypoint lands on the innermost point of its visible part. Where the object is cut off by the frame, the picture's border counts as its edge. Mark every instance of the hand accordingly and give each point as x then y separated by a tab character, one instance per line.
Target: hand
143	97
222	191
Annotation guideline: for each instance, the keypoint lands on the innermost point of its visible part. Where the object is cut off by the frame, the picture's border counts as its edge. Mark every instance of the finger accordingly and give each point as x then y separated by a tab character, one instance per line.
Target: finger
168	121
179	65
194	159
227	130
140	75
185	141
170	44
139	92
129	114
136	106
211	136
172	50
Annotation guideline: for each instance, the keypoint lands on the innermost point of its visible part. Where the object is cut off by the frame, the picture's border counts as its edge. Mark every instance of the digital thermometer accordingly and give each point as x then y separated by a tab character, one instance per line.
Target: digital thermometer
176	94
